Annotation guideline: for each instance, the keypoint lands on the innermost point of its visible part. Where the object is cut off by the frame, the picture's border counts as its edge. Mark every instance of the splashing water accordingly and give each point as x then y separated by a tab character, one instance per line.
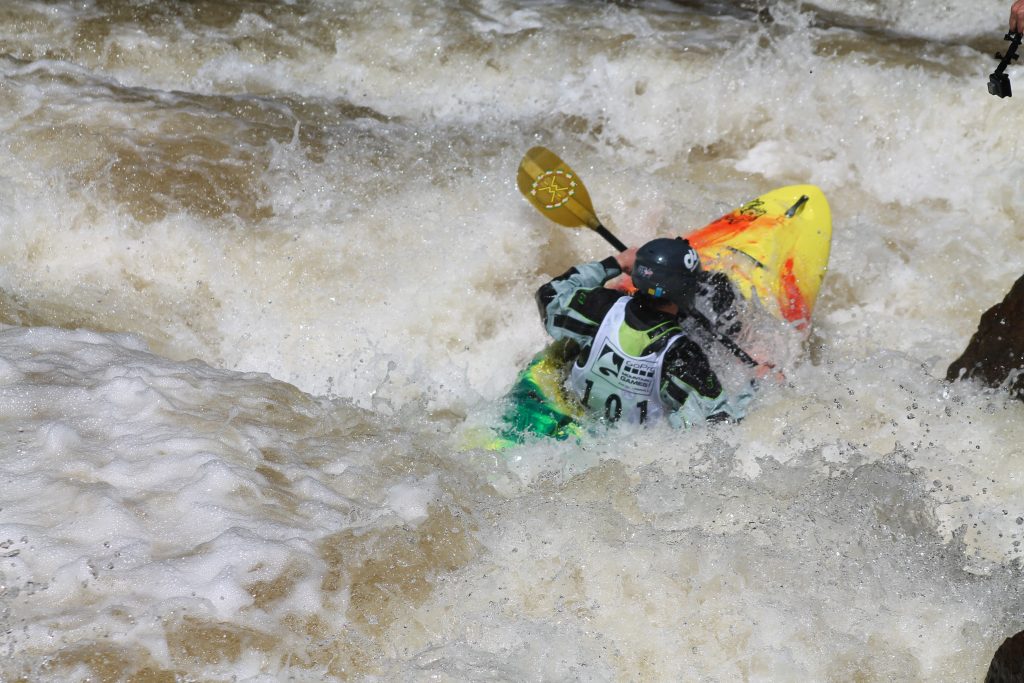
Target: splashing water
264	262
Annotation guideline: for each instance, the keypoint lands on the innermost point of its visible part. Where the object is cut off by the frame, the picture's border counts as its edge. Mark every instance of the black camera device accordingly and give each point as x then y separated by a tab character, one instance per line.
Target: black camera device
999	81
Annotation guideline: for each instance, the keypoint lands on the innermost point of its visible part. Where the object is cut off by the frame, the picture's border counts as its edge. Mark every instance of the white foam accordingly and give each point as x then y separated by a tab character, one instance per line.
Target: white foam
410	500
392	272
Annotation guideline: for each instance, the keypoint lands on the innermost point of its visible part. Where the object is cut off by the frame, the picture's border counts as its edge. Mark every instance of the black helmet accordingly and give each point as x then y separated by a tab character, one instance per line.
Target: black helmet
667	269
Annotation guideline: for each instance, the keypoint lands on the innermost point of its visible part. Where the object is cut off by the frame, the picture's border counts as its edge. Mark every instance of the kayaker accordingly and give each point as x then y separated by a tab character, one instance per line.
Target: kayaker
631	359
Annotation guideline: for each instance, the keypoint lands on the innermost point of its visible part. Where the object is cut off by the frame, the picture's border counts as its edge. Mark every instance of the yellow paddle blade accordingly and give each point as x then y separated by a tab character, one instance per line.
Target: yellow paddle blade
555	189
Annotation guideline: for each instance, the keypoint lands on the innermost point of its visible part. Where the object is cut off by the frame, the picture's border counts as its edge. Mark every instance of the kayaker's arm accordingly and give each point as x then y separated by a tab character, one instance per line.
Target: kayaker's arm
572	304
692	392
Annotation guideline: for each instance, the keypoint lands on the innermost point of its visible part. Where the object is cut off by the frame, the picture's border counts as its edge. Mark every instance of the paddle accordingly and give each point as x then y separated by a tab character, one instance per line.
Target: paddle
558	193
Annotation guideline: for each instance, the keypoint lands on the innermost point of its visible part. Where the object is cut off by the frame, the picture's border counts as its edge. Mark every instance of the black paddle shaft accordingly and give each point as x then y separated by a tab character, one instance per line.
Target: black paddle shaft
612	239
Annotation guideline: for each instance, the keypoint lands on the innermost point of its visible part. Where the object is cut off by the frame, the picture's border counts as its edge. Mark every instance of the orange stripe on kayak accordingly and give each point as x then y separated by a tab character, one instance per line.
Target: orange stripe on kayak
724	229
729	226
793	304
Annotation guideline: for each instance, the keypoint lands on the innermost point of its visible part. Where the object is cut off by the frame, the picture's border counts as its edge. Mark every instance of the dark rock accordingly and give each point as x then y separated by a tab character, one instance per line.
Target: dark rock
1008	662
997	349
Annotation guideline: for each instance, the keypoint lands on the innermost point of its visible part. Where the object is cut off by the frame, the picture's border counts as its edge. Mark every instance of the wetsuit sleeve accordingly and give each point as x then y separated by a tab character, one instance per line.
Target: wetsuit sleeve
573	304
692	392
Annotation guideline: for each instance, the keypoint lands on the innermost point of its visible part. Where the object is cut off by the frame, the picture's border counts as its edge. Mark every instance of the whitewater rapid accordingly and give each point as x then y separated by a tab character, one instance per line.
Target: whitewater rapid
264	270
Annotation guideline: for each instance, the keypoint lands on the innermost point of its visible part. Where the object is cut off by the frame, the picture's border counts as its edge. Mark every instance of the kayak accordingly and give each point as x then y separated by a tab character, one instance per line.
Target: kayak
774	249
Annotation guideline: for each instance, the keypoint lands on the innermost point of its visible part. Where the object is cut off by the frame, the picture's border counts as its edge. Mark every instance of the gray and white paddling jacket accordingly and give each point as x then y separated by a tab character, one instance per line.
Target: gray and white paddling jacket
630	360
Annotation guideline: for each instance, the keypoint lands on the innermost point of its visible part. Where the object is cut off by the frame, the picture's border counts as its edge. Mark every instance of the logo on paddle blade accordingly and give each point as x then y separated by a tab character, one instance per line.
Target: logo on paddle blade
555	188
